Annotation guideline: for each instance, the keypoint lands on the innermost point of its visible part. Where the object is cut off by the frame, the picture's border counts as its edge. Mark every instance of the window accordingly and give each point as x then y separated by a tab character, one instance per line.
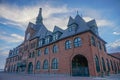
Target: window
33	55
115	67
40	43
46	51
30	55
97	64
38	65
72	27
68	44
104	47
47	40
39	53
54	63
55	49
45	64
93	41
103	63
99	45
108	65
55	36
77	42
111	65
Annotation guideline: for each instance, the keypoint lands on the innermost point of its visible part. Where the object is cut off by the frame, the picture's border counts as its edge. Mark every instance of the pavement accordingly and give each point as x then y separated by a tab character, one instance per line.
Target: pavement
22	76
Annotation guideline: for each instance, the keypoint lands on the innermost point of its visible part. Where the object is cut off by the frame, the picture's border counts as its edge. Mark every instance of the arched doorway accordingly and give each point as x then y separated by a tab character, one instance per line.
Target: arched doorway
80	66
30	68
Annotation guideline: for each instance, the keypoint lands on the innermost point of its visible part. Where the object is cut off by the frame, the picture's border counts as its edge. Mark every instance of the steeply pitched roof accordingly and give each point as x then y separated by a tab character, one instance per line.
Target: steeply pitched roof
91	23
56	28
41	32
71	21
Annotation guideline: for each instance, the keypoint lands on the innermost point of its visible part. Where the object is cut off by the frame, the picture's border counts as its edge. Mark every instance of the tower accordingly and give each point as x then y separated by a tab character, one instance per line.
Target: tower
39	18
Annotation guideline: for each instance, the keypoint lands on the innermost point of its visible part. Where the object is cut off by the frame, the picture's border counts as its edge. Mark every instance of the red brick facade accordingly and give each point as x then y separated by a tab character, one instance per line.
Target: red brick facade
78	61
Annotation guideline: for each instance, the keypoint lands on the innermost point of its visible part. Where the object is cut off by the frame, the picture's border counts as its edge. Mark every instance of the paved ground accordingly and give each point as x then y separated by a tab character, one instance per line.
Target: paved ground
13	76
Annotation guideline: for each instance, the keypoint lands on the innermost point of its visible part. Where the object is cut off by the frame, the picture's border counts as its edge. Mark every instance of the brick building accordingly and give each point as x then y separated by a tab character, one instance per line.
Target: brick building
77	50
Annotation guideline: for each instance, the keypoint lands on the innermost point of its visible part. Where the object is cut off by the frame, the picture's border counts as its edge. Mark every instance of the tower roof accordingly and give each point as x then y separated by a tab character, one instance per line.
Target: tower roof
39	18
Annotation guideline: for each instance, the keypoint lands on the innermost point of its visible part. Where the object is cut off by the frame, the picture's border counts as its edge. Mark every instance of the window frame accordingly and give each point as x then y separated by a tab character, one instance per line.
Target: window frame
38	65
54	64
45	64
68	44
77	42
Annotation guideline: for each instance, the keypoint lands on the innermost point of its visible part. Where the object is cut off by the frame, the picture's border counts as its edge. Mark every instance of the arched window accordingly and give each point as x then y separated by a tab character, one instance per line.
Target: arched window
38	65
33	55
39	53
97	64
111	65
108	66
103	63
68	44
30	55
45	64
115	67
55	49
46	51
54	63
93	41
77	42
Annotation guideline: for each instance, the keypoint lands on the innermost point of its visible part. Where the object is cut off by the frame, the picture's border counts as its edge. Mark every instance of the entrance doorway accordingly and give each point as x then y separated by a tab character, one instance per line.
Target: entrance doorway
80	66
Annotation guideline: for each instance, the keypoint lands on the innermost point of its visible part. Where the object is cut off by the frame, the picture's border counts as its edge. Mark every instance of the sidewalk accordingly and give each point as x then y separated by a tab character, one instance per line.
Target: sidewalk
13	76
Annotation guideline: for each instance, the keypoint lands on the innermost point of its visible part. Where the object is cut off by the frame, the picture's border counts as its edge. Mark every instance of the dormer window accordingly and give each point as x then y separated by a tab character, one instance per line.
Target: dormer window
55	36
73	27
41	42
47	40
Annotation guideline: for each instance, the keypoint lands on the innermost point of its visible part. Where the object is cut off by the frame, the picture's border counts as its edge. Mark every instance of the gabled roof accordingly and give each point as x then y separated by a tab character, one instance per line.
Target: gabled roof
48	33
71	21
30	25
91	23
41	32
56	28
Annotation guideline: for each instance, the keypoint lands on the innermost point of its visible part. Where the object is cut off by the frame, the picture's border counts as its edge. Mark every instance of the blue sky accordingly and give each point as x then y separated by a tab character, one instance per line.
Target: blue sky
16	14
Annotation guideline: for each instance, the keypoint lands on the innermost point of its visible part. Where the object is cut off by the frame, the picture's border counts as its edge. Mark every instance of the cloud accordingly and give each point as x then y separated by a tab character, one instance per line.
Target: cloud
14	38
20	17
116	33
104	23
114	46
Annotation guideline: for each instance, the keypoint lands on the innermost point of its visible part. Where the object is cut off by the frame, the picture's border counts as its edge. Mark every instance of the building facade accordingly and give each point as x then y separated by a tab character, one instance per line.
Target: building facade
77	50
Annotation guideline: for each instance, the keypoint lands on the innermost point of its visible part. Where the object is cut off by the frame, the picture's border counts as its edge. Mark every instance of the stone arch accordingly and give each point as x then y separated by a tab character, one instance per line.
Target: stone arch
79	65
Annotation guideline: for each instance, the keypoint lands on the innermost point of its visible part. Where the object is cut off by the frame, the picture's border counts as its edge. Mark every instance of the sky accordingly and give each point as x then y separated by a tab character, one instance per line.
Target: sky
16	14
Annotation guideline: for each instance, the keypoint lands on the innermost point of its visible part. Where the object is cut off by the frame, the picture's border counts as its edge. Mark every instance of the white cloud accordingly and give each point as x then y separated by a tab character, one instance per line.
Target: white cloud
11	38
116	33
114	46
21	16
104	23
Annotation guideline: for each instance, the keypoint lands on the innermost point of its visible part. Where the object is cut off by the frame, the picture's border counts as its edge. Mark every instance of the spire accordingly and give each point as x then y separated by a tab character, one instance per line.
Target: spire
39	17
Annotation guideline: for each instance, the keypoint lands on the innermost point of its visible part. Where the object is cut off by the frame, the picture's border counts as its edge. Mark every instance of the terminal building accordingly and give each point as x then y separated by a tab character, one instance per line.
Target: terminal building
77	51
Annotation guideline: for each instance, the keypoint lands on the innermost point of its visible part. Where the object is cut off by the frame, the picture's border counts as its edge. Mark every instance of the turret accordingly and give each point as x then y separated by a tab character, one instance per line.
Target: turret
39	18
